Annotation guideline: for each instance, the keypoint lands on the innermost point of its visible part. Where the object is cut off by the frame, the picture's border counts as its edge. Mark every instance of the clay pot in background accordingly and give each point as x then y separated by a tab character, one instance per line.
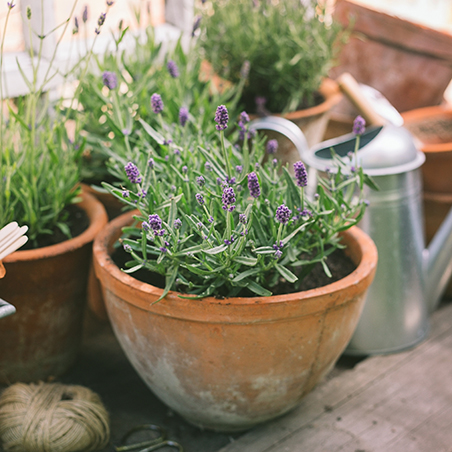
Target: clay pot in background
410	64
48	288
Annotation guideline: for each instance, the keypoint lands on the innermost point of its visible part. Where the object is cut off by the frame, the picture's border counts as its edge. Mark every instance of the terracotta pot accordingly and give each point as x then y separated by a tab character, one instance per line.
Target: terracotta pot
312	122
48	288
230	364
433	127
113	206
436	208
410	64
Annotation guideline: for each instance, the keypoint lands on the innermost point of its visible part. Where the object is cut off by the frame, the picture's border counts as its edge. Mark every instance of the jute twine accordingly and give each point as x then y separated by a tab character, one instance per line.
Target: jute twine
52	417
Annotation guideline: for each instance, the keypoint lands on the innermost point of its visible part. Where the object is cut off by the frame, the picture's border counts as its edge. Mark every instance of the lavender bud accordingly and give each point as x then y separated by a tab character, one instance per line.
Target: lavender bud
76	26
151	163
199	198
163	249
132	173
196	24
125	193
283	214
221	118
200	181
85	14
156	103
253	185
172	69
274	163
110	2
244	118
301	175
242	218
145	225
183	116
155	222
228	199
239	169
210	220
184	170
272	146
208	166
278	254
177	223
200	226
127	248
101	19
359	125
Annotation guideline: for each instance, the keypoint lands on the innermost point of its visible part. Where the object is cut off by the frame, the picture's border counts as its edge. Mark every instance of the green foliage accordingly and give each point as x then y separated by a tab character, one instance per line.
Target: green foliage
112	117
288	44
205	246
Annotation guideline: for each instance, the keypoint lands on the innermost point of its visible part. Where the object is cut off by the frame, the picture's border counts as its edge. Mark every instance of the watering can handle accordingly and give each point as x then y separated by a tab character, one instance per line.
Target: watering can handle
350	87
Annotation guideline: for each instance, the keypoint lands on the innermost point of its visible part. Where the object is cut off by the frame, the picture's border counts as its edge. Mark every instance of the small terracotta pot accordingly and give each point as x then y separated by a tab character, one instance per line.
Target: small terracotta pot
410	64
229	364
48	288
113	206
433	127
436	208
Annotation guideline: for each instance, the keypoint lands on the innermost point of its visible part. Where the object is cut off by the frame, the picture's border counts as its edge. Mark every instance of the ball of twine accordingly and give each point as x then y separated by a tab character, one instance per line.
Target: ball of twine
52	417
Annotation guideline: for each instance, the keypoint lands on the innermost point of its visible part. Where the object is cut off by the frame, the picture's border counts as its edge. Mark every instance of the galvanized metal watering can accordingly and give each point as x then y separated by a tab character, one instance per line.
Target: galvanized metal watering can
410	279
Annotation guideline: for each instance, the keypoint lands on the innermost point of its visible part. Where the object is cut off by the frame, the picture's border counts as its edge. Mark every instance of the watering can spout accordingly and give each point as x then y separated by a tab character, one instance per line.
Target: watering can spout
438	263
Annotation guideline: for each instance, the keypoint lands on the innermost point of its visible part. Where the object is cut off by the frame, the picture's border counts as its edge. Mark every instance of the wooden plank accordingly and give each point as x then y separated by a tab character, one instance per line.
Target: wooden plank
380	405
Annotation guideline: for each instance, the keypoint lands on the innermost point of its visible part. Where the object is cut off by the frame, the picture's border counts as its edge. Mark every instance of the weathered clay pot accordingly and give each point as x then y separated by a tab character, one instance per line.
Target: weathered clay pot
48	288
230	364
433	127
410	64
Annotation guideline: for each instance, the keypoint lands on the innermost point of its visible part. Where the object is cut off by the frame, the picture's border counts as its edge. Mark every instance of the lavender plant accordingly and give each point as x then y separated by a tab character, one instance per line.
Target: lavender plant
116	96
39	156
290	46
226	219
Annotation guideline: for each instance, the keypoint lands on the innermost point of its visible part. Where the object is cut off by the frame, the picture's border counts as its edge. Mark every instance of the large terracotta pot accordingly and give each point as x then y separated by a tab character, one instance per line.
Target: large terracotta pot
410	64
48	288
228	364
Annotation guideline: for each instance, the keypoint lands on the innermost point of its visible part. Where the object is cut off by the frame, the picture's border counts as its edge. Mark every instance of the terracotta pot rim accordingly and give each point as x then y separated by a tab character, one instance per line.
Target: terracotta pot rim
435	111
104	241
98	218
438	197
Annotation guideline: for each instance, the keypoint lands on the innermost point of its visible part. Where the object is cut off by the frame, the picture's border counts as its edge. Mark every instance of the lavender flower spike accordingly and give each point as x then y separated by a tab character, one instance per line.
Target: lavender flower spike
253	185
359	125
228	199
156	103
221	118
272	146
133	173
172	69
301	175
110	80
183	116
283	214
155	222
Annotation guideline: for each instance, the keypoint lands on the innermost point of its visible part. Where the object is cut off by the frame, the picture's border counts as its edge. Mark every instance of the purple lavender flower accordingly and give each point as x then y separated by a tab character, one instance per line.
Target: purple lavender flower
359	125
231	181
163	249
101	19
85	14
110	2
239	169
200	225
172	69
155	222
146	226
76	26
199	198
301	175
278	254
228	199
275	163
151	163
184	169
127	248
183	116
196	24
283	214
253	185
200	181
242	218
156	103
245	69
133	173
208	166
177	223
244	118
272	146
125	193
221	118
210	220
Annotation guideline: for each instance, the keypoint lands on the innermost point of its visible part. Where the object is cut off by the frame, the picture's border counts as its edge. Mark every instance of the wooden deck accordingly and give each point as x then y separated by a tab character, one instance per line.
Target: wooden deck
393	403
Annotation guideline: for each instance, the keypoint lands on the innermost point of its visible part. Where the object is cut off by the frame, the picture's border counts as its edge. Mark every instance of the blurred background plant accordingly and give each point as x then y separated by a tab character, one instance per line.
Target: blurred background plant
117	94
290	46
224	218
40	149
